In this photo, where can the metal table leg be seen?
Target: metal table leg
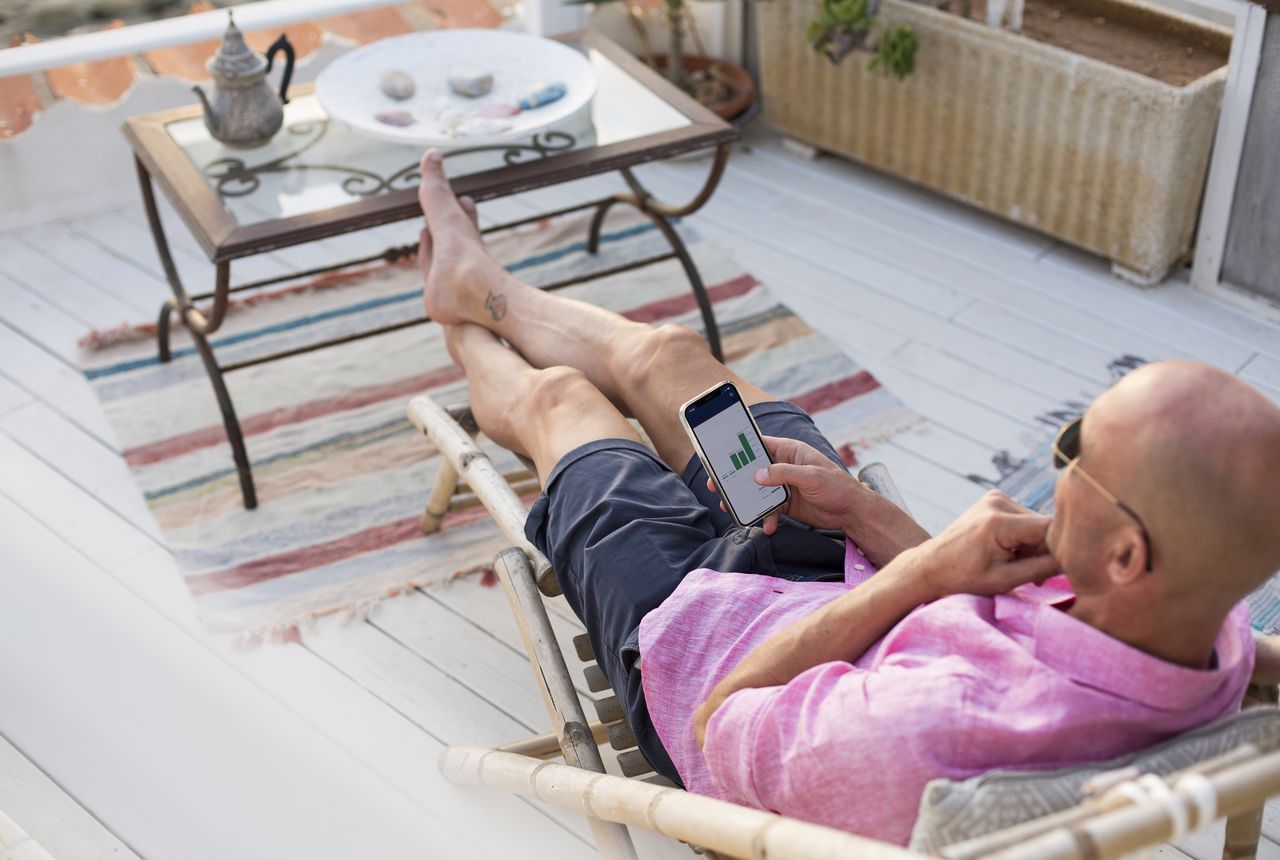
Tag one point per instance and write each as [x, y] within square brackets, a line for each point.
[660, 214]
[200, 325]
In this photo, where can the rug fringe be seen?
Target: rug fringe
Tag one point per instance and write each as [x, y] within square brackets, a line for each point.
[290, 630]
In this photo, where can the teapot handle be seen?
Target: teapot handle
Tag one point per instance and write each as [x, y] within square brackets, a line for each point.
[282, 44]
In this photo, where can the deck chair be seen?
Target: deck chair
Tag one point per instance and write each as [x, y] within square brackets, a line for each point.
[1227, 770]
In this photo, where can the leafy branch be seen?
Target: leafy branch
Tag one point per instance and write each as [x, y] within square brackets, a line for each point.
[843, 26]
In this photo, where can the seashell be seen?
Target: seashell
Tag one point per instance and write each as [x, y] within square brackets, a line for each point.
[470, 82]
[542, 94]
[395, 117]
[397, 84]
[481, 125]
[497, 110]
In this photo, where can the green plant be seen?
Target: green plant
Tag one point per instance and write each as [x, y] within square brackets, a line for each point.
[843, 26]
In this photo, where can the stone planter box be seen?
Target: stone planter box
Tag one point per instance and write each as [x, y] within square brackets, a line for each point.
[1092, 154]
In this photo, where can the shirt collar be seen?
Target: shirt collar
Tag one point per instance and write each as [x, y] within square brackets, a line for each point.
[1091, 657]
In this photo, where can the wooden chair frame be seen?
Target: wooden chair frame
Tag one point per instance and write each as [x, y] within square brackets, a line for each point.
[1109, 826]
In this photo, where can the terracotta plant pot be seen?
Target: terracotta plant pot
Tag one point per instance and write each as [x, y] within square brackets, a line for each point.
[742, 90]
[1093, 154]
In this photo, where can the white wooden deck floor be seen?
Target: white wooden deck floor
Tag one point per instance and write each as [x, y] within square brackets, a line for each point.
[162, 741]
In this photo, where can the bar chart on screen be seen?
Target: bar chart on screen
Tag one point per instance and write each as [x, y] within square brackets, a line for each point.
[741, 458]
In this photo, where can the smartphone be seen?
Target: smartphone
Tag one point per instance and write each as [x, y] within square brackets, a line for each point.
[728, 441]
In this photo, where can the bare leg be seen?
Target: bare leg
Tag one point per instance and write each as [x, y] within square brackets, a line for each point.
[545, 413]
[646, 371]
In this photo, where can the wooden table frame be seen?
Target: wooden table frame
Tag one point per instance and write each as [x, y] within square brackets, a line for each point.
[159, 159]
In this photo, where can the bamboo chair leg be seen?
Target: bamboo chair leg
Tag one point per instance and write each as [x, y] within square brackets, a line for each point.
[1243, 834]
[577, 742]
[441, 494]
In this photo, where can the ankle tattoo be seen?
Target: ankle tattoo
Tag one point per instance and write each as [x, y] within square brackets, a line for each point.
[496, 305]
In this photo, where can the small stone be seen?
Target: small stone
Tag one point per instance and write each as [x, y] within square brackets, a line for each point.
[397, 85]
[497, 110]
[395, 117]
[543, 94]
[470, 82]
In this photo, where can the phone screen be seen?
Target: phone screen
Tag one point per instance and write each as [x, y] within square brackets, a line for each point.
[733, 452]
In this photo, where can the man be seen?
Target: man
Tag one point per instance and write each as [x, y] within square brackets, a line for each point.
[783, 686]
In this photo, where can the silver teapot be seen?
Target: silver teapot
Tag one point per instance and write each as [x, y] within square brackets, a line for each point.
[244, 111]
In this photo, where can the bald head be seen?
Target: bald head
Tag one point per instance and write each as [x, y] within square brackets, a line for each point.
[1196, 452]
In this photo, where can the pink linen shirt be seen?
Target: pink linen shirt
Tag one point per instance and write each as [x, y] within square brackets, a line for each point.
[957, 687]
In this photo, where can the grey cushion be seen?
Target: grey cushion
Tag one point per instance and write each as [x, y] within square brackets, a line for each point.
[952, 812]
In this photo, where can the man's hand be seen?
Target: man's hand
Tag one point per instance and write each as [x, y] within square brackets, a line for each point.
[992, 548]
[822, 494]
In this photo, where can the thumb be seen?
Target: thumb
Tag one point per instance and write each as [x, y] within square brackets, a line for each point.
[777, 474]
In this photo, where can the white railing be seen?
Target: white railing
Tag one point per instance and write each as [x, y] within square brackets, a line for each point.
[182, 29]
[543, 17]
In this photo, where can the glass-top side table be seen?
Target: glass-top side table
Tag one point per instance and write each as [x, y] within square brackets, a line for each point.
[317, 179]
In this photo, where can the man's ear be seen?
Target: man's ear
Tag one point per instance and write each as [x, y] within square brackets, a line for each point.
[1127, 557]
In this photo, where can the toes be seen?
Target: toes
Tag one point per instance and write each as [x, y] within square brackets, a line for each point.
[434, 194]
[469, 206]
[424, 249]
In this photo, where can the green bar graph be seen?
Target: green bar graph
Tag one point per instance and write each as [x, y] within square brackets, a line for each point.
[742, 458]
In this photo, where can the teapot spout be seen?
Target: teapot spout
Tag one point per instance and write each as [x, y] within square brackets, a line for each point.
[210, 119]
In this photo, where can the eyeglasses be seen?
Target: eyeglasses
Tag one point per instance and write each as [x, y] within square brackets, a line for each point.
[1066, 452]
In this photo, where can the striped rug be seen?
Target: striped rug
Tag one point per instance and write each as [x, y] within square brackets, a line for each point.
[342, 476]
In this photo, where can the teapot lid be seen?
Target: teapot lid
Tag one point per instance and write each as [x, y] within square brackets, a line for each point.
[235, 59]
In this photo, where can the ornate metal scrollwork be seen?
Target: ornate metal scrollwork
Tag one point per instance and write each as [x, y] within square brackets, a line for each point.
[232, 177]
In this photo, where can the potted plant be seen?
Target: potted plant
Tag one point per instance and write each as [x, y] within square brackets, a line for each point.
[724, 87]
[1092, 124]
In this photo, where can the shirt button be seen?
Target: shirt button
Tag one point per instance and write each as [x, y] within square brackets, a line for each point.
[859, 567]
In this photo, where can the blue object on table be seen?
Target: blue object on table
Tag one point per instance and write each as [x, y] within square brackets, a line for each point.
[543, 94]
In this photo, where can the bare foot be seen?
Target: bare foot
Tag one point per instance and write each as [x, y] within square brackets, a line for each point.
[460, 278]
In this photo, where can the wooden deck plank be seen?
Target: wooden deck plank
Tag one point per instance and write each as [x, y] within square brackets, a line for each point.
[117, 275]
[54, 330]
[356, 719]
[81, 459]
[77, 518]
[49, 815]
[1007, 275]
[11, 396]
[38, 373]
[72, 294]
[166, 742]
[457, 648]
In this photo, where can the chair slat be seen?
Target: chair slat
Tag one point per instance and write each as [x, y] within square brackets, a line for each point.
[609, 710]
[621, 737]
[582, 644]
[633, 763]
[596, 681]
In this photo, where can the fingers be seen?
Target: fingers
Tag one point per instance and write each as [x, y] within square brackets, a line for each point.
[439, 205]
[1023, 570]
[770, 524]
[1015, 531]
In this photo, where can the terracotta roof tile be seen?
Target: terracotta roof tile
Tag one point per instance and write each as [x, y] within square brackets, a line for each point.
[462, 13]
[103, 82]
[188, 61]
[368, 26]
[19, 105]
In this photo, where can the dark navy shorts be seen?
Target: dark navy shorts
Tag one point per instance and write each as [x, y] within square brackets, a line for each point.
[622, 529]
